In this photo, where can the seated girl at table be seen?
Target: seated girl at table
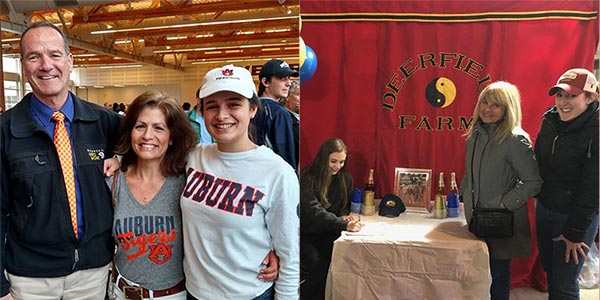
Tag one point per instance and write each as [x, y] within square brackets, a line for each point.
[325, 191]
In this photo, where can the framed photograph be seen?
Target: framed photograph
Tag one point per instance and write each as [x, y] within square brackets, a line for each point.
[413, 186]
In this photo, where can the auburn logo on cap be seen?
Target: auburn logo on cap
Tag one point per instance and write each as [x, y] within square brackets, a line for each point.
[227, 72]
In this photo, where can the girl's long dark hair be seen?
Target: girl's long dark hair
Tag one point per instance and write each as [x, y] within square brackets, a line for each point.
[316, 174]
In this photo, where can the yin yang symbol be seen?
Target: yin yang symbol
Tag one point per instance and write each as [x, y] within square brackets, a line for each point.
[440, 92]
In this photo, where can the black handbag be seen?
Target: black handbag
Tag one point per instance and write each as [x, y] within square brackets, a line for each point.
[491, 222]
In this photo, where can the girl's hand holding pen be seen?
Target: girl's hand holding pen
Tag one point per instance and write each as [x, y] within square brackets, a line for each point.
[355, 225]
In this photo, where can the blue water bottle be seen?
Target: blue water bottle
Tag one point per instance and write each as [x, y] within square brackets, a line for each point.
[356, 203]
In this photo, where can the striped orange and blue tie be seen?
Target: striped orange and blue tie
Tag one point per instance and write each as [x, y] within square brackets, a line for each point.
[63, 147]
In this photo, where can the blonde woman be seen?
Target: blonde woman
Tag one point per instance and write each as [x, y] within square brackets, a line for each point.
[501, 172]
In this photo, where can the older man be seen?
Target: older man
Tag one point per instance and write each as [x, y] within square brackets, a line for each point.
[56, 208]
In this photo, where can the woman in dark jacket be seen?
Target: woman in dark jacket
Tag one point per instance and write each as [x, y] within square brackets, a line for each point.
[567, 209]
[501, 172]
[325, 190]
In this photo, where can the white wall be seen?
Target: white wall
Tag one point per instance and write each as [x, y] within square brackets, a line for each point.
[180, 84]
[127, 94]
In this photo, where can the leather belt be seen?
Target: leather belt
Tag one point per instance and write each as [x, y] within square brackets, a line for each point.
[139, 293]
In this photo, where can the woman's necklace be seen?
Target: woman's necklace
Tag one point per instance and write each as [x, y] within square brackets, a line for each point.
[145, 200]
[146, 190]
[149, 191]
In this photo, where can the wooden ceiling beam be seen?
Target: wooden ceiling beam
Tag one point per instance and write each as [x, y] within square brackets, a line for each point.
[148, 13]
[220, 39]
[225, 37]
[258, 53]
[75, 42]
[260, 25]
[103, 61]
[11, 51]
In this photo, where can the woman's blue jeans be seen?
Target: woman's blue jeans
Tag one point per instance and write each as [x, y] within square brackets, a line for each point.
[267, 295]
[561, 276]
[500, 269]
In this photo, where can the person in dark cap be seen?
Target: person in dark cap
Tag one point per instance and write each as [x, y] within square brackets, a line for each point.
[273, 124]
[566, 150]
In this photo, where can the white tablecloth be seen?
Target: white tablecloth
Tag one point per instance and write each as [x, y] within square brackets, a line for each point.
[413, 257]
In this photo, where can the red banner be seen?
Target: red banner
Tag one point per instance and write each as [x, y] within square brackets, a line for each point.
[398, 80]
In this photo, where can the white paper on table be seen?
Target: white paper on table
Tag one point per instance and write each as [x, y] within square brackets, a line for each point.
[374, 229]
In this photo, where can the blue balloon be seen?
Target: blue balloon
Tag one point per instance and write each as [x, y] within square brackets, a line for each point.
[310, 65]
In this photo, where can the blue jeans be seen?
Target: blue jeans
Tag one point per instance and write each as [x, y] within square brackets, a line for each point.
[267, 295]
[500, 269]
[562, 277]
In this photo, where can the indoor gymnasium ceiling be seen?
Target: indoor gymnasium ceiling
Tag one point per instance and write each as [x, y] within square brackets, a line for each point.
[169, 33]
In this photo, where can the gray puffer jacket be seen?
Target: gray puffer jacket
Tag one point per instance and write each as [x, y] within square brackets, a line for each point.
[504, 173]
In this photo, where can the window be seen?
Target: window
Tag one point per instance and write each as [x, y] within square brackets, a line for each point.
[11, 65]
[11, 68]
[11, 93]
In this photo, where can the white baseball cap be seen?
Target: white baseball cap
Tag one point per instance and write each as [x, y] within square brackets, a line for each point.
[228, 78]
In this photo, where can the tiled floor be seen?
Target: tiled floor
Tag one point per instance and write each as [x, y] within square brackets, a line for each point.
[533, 294]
